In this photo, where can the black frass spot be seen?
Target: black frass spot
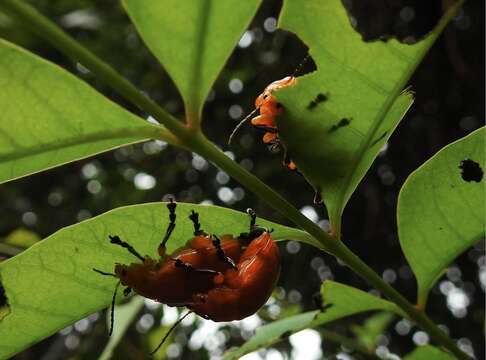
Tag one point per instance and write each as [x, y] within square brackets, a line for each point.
[342, 123]
[320, 98]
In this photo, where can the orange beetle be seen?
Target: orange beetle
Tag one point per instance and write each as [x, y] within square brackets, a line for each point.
[269, 108]
[219, 278]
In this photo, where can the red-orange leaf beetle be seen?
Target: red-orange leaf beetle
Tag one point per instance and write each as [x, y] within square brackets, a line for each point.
[269, 108]
[219, 278]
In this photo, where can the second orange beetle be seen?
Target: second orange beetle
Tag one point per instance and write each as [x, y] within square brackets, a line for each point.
[269, 108]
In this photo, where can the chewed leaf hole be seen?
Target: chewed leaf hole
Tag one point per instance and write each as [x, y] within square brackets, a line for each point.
[471, 171]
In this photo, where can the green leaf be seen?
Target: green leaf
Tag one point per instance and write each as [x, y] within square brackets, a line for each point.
[271, 333]
[124, 316]
[368, 333]
[428, 352]
[17, 241]
[192, 40]
[21, 238]
[49, 117]
[335, 142]
[52, 284]
[343, 300]
[439, 213]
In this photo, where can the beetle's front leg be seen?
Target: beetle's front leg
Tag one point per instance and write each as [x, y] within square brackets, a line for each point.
[220, 252]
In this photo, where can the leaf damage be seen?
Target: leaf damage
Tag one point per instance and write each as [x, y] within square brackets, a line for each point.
[471, 171]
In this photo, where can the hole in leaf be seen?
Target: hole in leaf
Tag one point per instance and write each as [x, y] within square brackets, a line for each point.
[471, 171]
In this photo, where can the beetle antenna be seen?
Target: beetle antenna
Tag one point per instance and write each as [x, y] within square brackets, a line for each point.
[168, 332]
[117, 241]
[240, 124]
[302, 63]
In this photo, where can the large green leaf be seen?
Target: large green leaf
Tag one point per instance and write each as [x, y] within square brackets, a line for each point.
[192, 40]
[441, 209]
[49, 117]
[335, 142]
[342, 300]
[428, 352]
[52, 284]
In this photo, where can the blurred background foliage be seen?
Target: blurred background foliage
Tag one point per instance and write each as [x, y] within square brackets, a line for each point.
[449, 104]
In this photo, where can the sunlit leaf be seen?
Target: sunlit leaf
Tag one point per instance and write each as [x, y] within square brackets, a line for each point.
[49, 117]
[368, 333]
[21, 238]
[271, 333]
[441, 209]
[338, 301]
[52, 284]
[335, 141]
[428, 352]
[192, 40]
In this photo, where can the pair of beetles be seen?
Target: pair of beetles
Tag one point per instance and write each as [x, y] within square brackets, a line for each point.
[219, 278]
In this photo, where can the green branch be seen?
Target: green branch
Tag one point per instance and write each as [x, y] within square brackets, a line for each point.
[198, 143]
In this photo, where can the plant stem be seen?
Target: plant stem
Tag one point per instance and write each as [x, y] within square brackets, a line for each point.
[196, 141]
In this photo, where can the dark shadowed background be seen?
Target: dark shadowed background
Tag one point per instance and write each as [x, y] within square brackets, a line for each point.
[449, 86]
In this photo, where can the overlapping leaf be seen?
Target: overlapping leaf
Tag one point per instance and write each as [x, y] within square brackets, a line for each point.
[49, 117]
[441, 209]
[335, 141]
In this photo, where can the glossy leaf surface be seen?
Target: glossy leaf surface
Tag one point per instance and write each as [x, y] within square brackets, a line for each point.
[441, 209]
[49, 117]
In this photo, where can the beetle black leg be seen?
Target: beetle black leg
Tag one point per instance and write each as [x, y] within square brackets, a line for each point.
[194, 217]
[127, 291]
[189, 268]
[220, 252]
[172, 222]
[117, 241]
[112, 310]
